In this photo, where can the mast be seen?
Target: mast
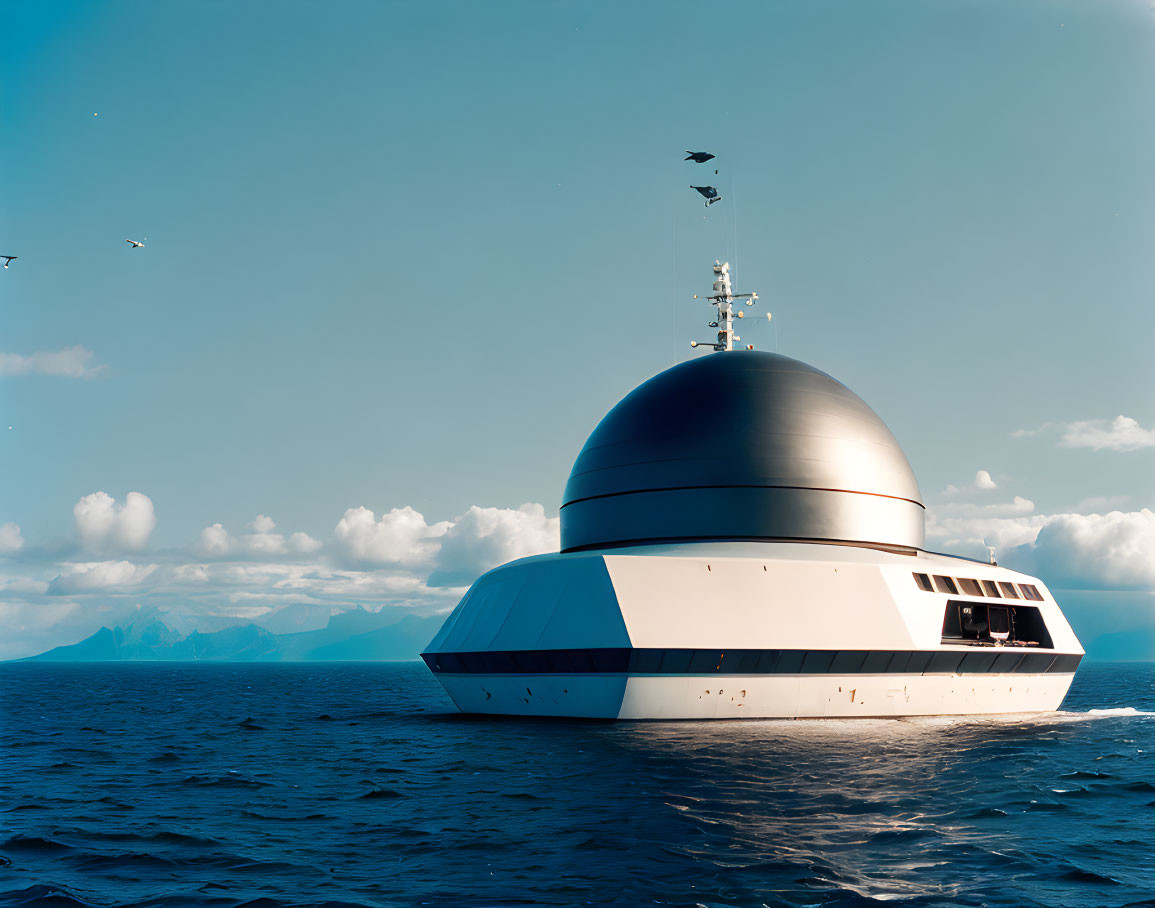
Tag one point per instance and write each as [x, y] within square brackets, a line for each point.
[723, 297]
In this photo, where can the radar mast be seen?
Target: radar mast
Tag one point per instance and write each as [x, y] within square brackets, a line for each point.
[723, 297]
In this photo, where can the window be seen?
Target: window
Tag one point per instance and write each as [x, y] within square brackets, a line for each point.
[980, 624]
[923, 582]
[1030, 591]
[945, 584]
[1008, 590]
[970, 587]
[992, 590]
[999, 622]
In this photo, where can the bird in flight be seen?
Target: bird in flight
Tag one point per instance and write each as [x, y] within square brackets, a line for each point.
[9, 258]
[709, 193]
[135, 244]
[698, 157]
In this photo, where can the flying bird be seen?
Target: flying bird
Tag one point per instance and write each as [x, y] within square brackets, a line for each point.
[698, 157]
[135, 244]
[709, 193]
[8, 257]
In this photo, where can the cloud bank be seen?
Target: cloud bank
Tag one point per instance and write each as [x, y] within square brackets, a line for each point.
[398, 559]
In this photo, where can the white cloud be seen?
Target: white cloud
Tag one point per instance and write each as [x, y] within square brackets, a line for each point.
[966, 528]
[72, 362]
[981, 483]
[1115, 550]
[279, 583]
[262, 543]
[215, 541]
[970, 536]
[21, 585]
[10, 539]
[99, 576]
[1120, 434]
[102, 524]
[401, 537]
[303, 544]
[262, 524]
[1100, 551]
[1039, 430]
[483, 538]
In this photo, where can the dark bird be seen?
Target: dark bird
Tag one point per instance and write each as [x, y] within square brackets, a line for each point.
[698, 157]
[8, 257]
[135, 244]
[709, 193]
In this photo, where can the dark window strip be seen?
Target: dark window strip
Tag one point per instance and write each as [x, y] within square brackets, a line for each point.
[622, 660]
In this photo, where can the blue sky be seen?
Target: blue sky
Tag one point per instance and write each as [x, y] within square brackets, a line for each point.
[407, 255]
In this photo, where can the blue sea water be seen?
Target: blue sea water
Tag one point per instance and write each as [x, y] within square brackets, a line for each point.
[356, 784]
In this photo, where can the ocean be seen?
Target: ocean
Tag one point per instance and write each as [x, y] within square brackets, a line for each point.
[347, 784]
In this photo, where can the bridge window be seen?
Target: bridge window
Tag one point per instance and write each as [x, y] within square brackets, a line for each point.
[982, 624]
[945, 584]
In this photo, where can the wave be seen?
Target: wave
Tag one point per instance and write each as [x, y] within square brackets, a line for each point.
[1120, 711]
[232, 780]
[33, 843]
[382, 794]
[45, 895]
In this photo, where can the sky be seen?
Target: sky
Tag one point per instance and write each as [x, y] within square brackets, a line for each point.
[401, 258]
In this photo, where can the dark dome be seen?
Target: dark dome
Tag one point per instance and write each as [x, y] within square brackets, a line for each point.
[741, 445]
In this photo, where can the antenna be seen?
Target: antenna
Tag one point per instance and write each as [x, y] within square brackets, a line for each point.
[723, 297]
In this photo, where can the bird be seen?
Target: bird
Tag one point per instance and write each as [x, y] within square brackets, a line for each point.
[709, 193]
[135, 244]
[698, 157]
[9, 258]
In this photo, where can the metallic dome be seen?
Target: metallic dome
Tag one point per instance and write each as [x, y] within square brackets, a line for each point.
[742, 445]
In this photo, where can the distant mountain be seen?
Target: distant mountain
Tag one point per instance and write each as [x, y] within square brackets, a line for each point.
[294, 618]
[357, 635]
[394, 643]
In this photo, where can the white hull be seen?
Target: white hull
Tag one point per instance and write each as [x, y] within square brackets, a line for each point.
[751, 630]
[756, 697]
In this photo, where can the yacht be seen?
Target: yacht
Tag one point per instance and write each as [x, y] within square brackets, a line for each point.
[743, 537]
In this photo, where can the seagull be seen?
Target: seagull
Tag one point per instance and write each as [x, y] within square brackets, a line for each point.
[709, 193]
[8, 257]
[135, 244]
[698, 157]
